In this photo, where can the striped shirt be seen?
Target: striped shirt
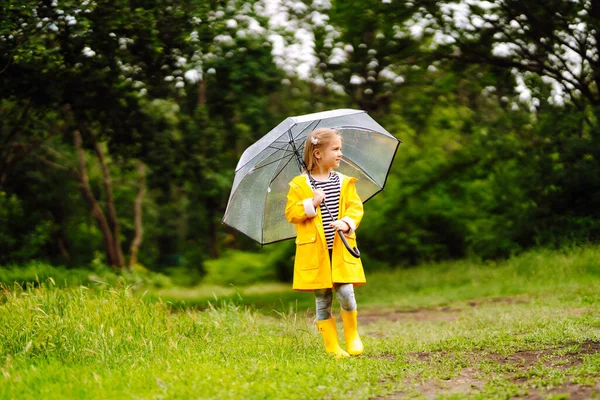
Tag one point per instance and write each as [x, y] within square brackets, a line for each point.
[332, 190]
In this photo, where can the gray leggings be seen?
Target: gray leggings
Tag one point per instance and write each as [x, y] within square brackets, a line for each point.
[324, 300]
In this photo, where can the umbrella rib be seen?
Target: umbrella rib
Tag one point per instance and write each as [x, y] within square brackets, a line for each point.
[301, 146]
[294, 149]
[272, 162]
[271, 181]
[256, 155]
[292, 139]
[392, 160]
[281, 170]
[356, 127]
[388, 135]
[280, 148]
[362, 170]
[289, 133]
[284, 142]
[307, 126]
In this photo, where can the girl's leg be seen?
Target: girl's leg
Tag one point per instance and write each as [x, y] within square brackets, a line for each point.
[345, 295]
[326, 323]
[323, 300]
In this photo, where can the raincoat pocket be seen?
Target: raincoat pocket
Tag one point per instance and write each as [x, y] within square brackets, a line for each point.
[349, 258]
[307, 254]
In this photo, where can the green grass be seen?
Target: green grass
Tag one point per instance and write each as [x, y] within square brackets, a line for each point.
[527, 326]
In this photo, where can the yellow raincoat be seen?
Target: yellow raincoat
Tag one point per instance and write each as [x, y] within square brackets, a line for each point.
[312, 268]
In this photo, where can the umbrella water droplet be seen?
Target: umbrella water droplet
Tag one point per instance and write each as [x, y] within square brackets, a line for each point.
[269, 189]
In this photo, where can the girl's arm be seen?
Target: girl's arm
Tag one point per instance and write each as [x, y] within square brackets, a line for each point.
[297, 208]
[354, 209]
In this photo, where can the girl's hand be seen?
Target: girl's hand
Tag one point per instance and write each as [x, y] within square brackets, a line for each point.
[340, 225]
[318, 197]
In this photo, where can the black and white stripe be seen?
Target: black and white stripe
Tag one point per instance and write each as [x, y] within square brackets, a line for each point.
[332, 189]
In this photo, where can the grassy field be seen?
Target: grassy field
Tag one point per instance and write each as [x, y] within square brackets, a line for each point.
[525, 328]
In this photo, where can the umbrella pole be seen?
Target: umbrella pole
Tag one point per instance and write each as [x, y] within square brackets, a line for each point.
[353, 251]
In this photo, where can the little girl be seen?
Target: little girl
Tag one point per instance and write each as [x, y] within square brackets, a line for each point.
[322, 261]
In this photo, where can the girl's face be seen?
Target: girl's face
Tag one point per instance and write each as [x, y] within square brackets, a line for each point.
[330, 156]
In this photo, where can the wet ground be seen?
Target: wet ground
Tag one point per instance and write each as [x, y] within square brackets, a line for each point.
[516, 368]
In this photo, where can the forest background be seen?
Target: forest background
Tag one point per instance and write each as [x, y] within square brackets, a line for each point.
[121, 123]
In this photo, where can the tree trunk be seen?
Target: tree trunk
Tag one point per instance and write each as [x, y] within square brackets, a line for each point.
[108, 240]
[63, 248]
[139, 228]
[202, 92]
[110, 206]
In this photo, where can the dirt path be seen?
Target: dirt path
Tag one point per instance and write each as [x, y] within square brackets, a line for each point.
[517, 366]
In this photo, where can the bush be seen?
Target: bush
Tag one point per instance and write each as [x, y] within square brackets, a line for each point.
[23, 234]
[184, 276]
[35, 272]
[243, 268]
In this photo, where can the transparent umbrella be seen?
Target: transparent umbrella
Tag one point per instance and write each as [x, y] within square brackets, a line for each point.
[256, 205]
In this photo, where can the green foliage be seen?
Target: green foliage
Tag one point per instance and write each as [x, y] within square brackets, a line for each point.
[452, 190]
[239, 268]
[22, 236]
[33, 273]
[98, 274]
[185, 87]
[537, 42]
[184, 276]
[236, 267]
[563, 179]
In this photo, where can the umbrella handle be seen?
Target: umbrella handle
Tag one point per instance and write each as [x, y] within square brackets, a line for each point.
[354, 251]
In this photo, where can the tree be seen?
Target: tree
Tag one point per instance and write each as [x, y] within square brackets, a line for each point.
[551, 51]
[109, 85]
[363, 50]
[91, 64]
[232, 81]
[555, 41]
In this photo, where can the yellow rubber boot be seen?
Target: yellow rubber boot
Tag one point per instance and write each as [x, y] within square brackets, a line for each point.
[353, 342]
[329, 332]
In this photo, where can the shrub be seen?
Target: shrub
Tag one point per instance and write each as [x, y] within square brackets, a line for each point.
[243, 268]
[23, 234]
[35, 272]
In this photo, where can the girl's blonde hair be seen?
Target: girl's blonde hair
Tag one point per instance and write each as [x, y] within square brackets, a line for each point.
[317, 139]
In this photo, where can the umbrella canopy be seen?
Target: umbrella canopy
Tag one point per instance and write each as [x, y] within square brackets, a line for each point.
[258, 197]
